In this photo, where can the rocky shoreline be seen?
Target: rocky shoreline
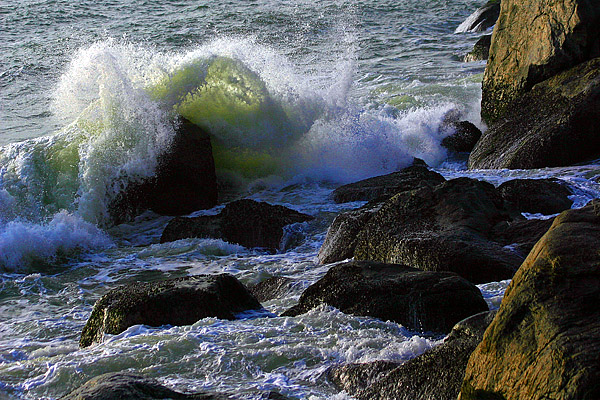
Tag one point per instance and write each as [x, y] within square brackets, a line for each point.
[421, 242]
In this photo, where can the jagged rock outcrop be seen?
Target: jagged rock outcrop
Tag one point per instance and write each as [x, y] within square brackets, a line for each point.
[246, 222]
[545, 339]
[436, 374]
[180, 301]
[185, 179]
[553, 124]
[533, 41]
[419, 300]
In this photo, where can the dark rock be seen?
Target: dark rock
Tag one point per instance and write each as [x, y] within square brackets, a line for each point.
[435, 374]
[545, 196]
[483, 18]
[445, 228]
[545, 339]
[128, 386]
[342, 235]
[533, 41]
[481, 49]
[271, 288]
[185, 179]
[419, 300]
[383, 187]
[181, 301]
[521, 235]
[463, 138]
[552, 125]
[246, 222]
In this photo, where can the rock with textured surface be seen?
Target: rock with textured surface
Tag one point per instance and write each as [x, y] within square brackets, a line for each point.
[436, 374]
[246, 222]
[419, 300]
[545, 339]
[552, 125]
[445, 228]
[481, 50]
[129, 386]
[544, 196]
[533, 41]
[181, 301]
[185, 179]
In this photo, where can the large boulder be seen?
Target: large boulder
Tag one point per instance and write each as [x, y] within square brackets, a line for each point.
[246, 222]
[436, 374]
[383, 187]
[545, 340]
[419, 300]
[482, 19]
[129, 386]
[552, 125]
[445, 228]
[185, 179]
[543, 196]
[533, 41]
[180, 301]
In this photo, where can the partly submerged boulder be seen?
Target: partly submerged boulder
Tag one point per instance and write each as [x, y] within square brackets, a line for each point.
[246, 222]
[419, 300]
[185, 179]
[436, 374]
[481, 50]
[552, 125]
[463, 137]
[129, 386]
[444, 228]
[272, 288]
[533, 41]
[383, 187]
[543, 196]
[180, 301]
[482, 19]
[545, 340]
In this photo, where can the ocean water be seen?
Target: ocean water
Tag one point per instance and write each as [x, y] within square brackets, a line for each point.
[300, 97]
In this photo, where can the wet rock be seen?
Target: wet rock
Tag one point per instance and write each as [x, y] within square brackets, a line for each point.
[545, 339]
[185, 179]
[481, 49]
[245, 222]
[544, 196]
[444, 228]
[419, 300]
[520, 235]
[128, 386]
[533, 41]
[554, 124]
[435, 374]
[272, 288]
[383, 187]
[463, 138]
[181, 301]
[482, 19]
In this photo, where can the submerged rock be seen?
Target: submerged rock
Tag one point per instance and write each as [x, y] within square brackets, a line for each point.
[554, 124]
[272, 288]
[545, 340]
[482, 19]
[444, 228]
[246, 222]
[419, 300]
[435, 374]
[533, 41]
[185, 179]
[128, 386]
[544, 196]
[481, 49]
[383, 187]
[181, 301]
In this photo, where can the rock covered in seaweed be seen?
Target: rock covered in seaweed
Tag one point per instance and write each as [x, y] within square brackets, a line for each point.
[553, 124]
[246, 222]
[436, 374]
[545, 339]
[180, 301]
[129, 386]
[419, 300]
